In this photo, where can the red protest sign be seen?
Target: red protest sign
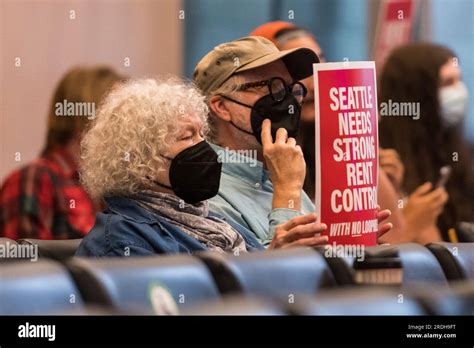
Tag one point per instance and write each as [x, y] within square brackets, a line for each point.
[394, 27]
[347, 151]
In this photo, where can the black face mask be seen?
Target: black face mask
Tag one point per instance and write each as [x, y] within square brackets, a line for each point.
[283, 114]
[195, 173]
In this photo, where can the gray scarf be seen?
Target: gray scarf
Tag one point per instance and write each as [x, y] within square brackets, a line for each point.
[194, 220]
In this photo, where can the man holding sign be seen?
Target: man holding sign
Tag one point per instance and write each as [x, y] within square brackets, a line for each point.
[248, 113]
[347, 151]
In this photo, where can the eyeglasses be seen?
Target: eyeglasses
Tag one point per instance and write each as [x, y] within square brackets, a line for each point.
[278, 88]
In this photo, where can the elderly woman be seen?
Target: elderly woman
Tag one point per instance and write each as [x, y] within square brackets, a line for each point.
[146, 156]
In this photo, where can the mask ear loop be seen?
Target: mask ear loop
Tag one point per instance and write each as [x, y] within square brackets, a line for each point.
[240, 103]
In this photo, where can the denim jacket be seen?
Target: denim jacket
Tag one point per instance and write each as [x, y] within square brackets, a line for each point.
[127, 229]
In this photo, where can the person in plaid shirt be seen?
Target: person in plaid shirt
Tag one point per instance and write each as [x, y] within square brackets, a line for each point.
[44, 198]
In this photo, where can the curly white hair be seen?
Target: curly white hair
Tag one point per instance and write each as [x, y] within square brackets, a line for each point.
[134, 124]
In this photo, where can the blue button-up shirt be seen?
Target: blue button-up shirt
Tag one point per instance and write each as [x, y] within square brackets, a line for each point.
[246, 193]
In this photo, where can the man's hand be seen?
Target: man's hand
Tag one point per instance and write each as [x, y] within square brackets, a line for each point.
[306, 231]
[300, 231]
[284, 159]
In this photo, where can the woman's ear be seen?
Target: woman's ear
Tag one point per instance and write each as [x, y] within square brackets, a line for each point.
[218, 106]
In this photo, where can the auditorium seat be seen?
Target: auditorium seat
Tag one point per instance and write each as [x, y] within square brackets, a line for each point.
[54, 249]
[419, 264]
[457, 298]
[150, 284]
[277, 273]
[341, 267]
[41, 287]
[456, 259]
[465, 232]
[236, 305]
[359, 301]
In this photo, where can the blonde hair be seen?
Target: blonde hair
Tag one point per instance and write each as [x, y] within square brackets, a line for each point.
[80, 84]
[123, 149]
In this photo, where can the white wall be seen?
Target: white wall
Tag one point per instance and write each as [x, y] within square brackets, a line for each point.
[49, 42]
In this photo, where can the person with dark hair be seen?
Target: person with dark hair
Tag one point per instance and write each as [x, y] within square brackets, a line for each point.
[429, 75]
[44, 199]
